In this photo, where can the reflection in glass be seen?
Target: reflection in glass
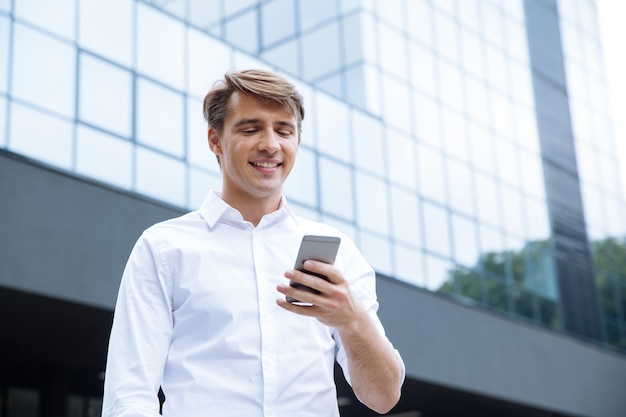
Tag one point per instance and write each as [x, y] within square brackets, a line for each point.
[368, 143]
[320, 51]
[431, 174]
[160, 46]
[54, 16]
[333, 135]
[409, 265]
[54, 88]
[377, 252]
[301, 186]
[160, 118]
[104, 157]
[106, 29]
[160, 177]
[371, 203]
[207, 61]
[5, 27]
[105, 95]
[400, 156]
[436, 229]
[25, 136]
[405, 217]
[336, 188]
[278, 21]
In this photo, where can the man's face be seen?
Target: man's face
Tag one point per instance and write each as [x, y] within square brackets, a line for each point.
[257, 148]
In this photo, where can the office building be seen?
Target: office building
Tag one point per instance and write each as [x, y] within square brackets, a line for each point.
[465, 145]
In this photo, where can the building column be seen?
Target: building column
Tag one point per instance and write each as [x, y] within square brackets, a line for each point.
[573, 262]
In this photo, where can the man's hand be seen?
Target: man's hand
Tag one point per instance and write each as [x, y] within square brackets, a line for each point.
[375, 368]
[334, 306]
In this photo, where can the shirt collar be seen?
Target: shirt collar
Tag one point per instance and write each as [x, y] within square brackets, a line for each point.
[214, 209]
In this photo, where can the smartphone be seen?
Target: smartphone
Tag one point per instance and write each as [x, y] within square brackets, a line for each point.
[317, 248]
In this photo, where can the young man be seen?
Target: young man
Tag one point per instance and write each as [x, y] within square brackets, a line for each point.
[201, 310]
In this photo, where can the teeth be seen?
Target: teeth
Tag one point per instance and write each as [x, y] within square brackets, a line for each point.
[265, 164]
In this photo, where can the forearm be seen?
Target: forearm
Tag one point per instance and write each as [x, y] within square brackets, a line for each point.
[376, 369]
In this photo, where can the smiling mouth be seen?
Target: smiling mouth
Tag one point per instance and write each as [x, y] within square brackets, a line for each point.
[265, 164]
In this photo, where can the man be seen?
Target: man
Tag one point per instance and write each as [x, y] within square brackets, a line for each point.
[201, 310]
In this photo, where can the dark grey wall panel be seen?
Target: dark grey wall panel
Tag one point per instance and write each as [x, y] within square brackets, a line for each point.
[67, 238]
[468, 348]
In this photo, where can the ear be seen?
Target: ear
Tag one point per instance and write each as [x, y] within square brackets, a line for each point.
[214, 141]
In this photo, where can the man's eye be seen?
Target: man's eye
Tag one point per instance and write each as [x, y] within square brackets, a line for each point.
[284, 133]
[249, 130]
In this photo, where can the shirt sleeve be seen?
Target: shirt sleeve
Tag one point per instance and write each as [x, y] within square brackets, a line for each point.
[362, 279]
[140, 335]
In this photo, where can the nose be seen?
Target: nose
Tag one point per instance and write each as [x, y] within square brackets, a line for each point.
[269, 142]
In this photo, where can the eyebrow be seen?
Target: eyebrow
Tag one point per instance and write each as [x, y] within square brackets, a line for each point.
[255, 121]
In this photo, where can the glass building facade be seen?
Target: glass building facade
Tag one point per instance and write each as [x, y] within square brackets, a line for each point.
[420, 141]
[423, 139]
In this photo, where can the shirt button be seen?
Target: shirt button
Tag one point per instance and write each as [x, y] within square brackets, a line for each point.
[268, 411]
[265, 315]
[269, 362]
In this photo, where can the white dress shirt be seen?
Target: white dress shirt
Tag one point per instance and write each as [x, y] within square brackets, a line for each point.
[197, 314]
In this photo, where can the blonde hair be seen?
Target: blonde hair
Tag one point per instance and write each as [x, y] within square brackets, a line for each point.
[262, 84]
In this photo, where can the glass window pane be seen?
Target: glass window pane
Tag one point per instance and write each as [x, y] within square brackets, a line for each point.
[436, 229]
[472, 55]
[25, 136]
[208, 59]
[52, 88]
[400, 156]
[506, 159]
[377, 252]
[483, 157]
[371, 206]
[105, 28]
[405, 217]
[285, 56]
[320, 51]
[242, 31]
[538, 220]
[336, 189]
[104, 157]
[461, 188]
[56, 16]
[278, 21]
[409, 265]
[438, 272]
[454, 127]
[312, 13]
[352, 39]
[465, 240]
[105, 95]
[513, 218]
[447, 36]
[427, 120]
[532, 174]
[5, 5]
[5, 26]
[420, 20]
[451, 85]
[200, 183]
[396, 103]
[302, 182]
[487, 200]
[160, 177]
[198, 151]
[478, 103]
[423, 69]
[368, 143]
[497, 71]
[3, 122]
[431, 174]
[333, 134]
[160, 46]
[393, 55]
[160, 118]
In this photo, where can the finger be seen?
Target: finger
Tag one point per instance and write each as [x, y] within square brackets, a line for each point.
[328, 270]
